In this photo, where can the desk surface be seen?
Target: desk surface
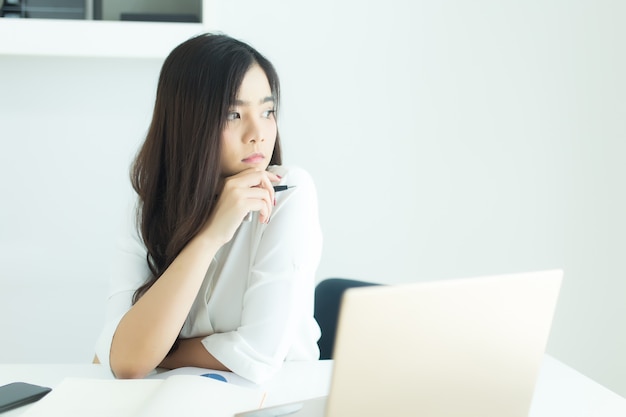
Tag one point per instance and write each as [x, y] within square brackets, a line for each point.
[560, 390]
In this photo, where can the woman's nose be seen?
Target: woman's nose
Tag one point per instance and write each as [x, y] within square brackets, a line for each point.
[253, 132]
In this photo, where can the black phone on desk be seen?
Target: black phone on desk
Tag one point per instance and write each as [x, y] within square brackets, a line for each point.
[17, 394]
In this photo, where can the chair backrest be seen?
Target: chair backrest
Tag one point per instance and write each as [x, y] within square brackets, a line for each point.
[328, 295]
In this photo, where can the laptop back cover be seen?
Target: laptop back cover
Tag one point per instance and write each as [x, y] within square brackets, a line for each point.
[464, 347]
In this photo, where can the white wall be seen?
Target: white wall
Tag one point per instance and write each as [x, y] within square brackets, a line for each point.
[447, 139]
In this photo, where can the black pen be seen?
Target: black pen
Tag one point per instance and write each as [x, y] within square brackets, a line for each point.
[279, 188]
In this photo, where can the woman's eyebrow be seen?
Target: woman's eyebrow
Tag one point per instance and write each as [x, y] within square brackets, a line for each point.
[264, 100]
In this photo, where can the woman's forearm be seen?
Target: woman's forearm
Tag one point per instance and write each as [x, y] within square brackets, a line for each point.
[147, 331]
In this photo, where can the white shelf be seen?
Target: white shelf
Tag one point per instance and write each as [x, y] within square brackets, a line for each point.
[88, 38]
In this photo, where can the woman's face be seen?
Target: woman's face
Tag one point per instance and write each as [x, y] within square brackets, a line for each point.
[250, 133]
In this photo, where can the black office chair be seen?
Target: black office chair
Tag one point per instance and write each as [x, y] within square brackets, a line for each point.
[328, 295]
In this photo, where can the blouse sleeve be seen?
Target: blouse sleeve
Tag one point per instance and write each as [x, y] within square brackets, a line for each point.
[277, 316]
[129, 271]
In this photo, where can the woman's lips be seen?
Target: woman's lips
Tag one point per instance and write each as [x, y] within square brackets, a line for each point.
[255, 158]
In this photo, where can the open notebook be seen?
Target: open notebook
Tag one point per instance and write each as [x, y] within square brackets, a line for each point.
[176, 395]
[465, 347]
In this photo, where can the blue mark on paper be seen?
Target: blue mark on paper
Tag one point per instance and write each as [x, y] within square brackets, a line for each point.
[217, 377]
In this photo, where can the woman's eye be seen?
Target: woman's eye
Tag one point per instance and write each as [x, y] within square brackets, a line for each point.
[233, 115]
[268, 113]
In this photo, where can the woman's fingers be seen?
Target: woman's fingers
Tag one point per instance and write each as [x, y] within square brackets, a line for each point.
[240, 194]
[253, 189]
[269, 198]
[258, 199]
[254, 178]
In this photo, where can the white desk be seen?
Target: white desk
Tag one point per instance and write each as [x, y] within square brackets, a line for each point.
[560, 391]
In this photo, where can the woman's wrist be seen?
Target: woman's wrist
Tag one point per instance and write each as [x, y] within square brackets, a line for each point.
[207, 242]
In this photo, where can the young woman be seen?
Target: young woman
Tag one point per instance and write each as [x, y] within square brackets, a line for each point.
[216, 268]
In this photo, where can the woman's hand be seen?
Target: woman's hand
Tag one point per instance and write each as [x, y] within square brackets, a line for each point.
[249, 190]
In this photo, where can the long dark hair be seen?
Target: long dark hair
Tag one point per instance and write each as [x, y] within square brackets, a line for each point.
[176, 172]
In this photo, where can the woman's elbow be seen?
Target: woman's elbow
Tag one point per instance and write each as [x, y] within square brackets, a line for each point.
[129, 368]
[129, 371]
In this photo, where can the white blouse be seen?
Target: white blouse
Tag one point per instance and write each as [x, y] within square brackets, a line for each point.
[255, 306]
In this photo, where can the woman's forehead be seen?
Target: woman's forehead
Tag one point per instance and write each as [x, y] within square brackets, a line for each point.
[255, 88]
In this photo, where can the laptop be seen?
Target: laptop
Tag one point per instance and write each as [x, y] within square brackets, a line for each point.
[462, 347]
